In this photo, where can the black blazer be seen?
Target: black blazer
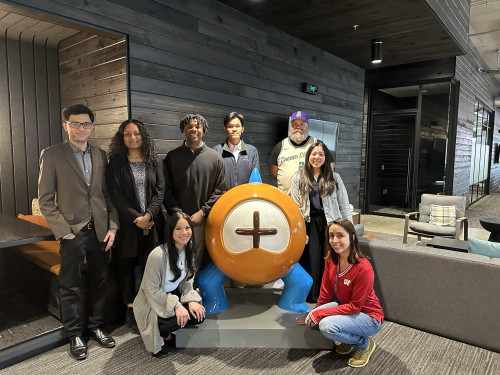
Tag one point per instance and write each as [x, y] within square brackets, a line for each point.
[121, 186]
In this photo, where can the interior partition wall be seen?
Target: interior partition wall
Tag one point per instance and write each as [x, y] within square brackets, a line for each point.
[481, 152]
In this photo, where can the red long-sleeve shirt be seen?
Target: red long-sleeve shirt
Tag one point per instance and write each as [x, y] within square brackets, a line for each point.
[353, 288]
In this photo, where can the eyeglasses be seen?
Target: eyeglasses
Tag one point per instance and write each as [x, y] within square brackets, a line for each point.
[130, 135]
[76, 124]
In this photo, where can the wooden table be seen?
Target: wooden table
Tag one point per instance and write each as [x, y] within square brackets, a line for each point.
[492, 225]
[15, 231]
[449, 244]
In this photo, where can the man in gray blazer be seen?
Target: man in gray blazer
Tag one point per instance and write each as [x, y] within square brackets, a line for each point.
[74, 200]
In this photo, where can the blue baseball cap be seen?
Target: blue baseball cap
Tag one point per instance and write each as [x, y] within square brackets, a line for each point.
[299, 114]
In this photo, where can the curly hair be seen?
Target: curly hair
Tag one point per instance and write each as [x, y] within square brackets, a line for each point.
[354, 250]
[117, 146]
[199, 119]
[173, 254]
[327, 183]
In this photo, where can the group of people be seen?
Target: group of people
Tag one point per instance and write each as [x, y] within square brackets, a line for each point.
[93, 201]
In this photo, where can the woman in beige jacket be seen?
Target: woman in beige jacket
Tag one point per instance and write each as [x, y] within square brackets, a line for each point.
[166, 300]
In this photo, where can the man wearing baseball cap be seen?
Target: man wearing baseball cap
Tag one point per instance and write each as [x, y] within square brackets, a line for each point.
[288, 155]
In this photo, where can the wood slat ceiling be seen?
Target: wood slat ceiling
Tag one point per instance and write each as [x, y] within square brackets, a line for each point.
[409, 30]
[28, 25]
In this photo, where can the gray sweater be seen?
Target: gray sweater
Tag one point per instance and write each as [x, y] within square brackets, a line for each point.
[151, 300]
[193, 180]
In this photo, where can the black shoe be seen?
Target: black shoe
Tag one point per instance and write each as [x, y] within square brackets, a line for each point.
[170, 343]
[102, 338]
[161, 353]
[131, 323]
[78, 347]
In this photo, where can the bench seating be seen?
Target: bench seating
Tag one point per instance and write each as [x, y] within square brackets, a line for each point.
[40, 263]
[444, 292]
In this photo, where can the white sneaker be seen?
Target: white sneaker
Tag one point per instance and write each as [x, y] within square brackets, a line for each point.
[279, 284]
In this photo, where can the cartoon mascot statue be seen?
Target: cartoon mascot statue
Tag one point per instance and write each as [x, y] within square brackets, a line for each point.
[255, 234]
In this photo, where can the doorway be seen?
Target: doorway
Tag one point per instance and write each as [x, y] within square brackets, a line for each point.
[407, 148]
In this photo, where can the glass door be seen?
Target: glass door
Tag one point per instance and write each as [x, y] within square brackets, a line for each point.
[481, 151]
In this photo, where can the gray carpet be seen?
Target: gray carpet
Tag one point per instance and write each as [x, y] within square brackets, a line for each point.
[400, 350]
[488, 206]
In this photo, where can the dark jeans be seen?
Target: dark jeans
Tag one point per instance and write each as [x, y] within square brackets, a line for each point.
[312, 258]
[168, 325]
[73, 252]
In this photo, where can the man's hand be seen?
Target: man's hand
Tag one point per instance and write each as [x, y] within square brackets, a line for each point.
[182, 316]
[144, 222]
[197, 217]
[197, 310]
[110, 238]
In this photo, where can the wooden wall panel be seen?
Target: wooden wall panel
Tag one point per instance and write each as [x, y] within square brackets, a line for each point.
[93, 72]
[29, 111]
[207, 58]
[473, 86]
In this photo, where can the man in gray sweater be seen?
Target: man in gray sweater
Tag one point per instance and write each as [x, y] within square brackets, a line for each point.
[194, 180]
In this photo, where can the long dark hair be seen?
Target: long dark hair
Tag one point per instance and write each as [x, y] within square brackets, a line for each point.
[189, 249]
[354, 250]
[117, 146]
[327, 183]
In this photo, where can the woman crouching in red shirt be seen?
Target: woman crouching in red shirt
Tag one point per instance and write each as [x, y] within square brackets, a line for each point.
[348, 275]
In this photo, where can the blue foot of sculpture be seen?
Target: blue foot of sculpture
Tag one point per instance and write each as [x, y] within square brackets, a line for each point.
[210, 281]
[297, 285]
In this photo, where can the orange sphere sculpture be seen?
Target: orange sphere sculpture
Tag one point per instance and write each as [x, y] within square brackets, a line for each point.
[255, 233]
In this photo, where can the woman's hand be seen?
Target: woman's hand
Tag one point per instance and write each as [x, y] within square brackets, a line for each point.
[309, 322]
[182, 316]
[197, 310]
[144, 222]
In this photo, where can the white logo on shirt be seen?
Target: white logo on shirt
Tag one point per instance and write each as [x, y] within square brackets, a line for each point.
[347, 282]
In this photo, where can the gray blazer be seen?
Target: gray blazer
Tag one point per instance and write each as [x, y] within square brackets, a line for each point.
[152, 302]
[65, 199]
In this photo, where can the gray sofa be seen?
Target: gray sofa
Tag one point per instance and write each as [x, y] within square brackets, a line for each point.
[451, 294]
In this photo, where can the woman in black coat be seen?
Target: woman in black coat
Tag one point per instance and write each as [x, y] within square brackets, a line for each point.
[135, 183]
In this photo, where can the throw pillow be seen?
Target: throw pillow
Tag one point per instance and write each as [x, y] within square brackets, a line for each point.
[40, 220]
[487, 248]
[443, 215]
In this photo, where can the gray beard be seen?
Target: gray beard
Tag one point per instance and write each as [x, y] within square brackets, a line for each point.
[298, 138]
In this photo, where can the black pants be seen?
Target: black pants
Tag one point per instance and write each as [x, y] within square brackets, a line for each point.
[73, 252]
[169, 325]
[312, 258]
[129, 278]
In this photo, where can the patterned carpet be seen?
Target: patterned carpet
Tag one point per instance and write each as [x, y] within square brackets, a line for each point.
[488, 206]
[400, 351]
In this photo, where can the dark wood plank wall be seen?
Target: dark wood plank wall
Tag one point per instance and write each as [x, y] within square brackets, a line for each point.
[473, 86]
[29, 115]
[93, 72]
[454, 14]
[209, 58]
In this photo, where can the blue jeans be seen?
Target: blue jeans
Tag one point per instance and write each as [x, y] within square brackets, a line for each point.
[349, 329]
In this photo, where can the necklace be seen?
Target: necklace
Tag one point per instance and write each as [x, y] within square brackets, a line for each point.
[134, 157]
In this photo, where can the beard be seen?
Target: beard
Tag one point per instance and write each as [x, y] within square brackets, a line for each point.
[298, 137]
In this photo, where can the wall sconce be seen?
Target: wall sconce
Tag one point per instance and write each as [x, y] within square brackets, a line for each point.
[377, 51]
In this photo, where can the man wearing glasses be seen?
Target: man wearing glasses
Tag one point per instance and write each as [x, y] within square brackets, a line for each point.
[288, 155]
[74, 200]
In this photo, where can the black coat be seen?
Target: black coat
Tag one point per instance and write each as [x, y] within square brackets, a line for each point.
[121, 187]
